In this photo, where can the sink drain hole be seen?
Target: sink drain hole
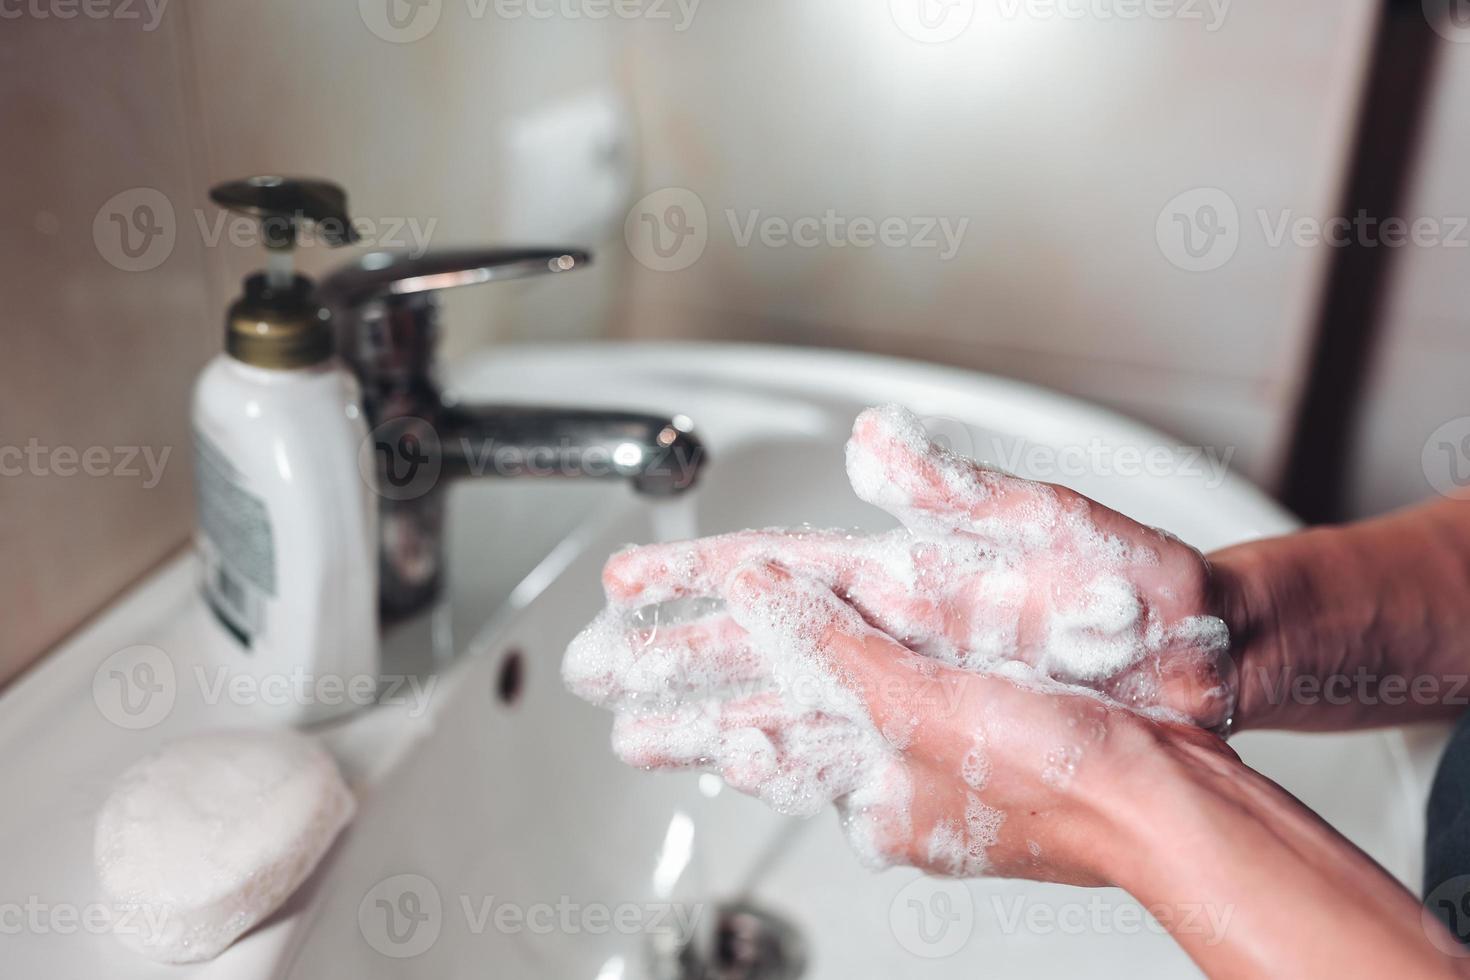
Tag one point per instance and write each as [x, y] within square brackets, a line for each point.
[745, 943]
[512, 677]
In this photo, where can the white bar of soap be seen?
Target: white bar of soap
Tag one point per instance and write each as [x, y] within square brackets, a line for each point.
[208, 836]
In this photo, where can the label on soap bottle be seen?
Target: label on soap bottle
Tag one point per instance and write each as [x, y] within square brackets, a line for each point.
[235, 542]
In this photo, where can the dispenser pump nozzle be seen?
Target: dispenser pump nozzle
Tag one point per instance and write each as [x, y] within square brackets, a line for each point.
[285, 206]
[278, 322]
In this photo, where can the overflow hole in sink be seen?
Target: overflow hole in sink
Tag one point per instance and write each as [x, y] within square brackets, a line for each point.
[512, 676]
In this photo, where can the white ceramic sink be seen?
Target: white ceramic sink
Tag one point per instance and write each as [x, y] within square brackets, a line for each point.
[503, 839]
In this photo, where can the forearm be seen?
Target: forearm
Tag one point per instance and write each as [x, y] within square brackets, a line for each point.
[1355, 626]
[1252, 883]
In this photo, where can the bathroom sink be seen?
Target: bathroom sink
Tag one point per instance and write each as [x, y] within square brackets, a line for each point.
[498, 836]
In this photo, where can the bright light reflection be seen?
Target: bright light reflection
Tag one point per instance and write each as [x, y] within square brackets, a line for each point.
[627, 454]
[674, 858]
[283, 465]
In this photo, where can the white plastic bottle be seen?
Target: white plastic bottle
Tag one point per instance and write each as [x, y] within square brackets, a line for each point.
[286, 534]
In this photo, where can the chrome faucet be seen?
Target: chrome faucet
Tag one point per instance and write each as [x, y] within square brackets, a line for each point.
[387, 319]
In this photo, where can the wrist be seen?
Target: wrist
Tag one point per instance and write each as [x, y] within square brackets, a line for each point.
[1169, 808]
[1149, 770]
[1245, 596]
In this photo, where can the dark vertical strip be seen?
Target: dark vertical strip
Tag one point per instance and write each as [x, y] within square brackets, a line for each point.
[1390, 120]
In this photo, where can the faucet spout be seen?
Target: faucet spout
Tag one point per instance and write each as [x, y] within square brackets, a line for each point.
[387, 313]
[658, 456]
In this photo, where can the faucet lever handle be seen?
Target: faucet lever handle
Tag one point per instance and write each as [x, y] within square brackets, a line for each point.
[385, 309]
[383, 274]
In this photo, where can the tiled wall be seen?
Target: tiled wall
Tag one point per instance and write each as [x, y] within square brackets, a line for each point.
[1060, 142]
[414, 128]
[98, 359]
[1413, 433]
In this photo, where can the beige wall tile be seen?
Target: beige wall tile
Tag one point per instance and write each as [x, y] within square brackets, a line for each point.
[1418, 381]
[98, 357]
[414, 130]
[1059, 140]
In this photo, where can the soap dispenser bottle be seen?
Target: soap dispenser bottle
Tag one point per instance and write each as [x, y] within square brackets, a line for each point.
[286, 532]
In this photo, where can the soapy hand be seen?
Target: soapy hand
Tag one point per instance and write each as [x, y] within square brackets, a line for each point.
[988, 568]
[953, 771]
[949, 685]
[1003, 688]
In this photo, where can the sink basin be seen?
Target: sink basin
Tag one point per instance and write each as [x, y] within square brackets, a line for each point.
[497, 834]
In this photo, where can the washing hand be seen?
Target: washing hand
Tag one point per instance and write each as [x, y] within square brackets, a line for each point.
[988, 568]
[953, 771]
[917, 679]
[1002, 687]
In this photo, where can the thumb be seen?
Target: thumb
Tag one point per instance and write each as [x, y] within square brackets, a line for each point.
[892, 464]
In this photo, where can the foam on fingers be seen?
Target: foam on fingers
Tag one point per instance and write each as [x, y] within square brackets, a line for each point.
[208, 836]
[818, 685]
[795, 760]
[657, 573]
[617, 663]
[892, 464]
